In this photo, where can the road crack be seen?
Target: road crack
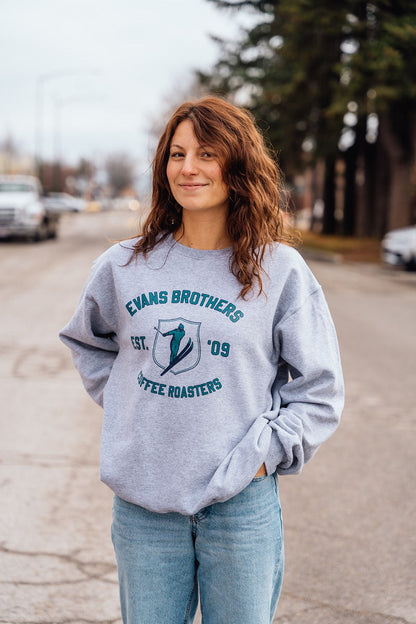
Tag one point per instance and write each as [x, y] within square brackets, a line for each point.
[91, 570]
[34, 362]
[357, 616]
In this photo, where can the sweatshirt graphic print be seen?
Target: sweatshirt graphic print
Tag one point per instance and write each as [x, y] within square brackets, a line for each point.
[200, 387]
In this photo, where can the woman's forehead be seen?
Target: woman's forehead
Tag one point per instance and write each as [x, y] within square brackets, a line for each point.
[186, 132]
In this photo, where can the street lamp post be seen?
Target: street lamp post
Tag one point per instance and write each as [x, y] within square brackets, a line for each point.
[41, 81]
[59, 104]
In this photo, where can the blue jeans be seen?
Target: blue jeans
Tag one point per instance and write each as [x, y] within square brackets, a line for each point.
[232, 552]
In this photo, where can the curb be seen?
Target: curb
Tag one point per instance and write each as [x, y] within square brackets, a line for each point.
[319, 255]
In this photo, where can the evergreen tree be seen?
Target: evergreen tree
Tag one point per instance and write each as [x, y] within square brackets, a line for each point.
[301, 68]
[287, 69]
[383, 83]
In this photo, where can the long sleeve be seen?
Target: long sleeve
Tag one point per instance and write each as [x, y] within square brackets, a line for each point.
[308, 393]
[262, 382]
[91, 334]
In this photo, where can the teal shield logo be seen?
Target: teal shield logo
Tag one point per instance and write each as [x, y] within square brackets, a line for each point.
[177, 345]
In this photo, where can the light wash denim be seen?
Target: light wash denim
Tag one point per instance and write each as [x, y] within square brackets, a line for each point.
[231, 551]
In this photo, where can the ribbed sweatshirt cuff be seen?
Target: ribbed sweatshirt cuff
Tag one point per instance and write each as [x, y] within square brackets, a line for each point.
[276, 453]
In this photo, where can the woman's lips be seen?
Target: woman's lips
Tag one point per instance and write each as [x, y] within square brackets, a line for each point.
[191, 187]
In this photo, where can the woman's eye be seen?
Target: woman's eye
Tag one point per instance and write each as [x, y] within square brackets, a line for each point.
[176, 155]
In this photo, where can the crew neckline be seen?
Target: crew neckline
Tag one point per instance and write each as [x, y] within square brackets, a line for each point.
[192, 252]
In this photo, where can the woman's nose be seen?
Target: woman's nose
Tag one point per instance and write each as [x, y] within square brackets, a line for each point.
[189, 165]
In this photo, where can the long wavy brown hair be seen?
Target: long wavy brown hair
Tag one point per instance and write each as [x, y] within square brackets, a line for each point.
[257, 200]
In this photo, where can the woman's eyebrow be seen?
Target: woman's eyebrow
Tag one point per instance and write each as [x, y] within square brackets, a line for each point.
[204, 146]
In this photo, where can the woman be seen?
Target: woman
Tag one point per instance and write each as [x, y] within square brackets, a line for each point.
[210, 346]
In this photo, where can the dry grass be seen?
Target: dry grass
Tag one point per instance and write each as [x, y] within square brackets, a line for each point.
[349, 248]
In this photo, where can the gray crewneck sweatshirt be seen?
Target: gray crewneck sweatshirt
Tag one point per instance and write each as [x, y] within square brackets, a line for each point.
[199, 386]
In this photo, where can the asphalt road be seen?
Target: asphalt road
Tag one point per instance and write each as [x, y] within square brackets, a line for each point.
[349, 518]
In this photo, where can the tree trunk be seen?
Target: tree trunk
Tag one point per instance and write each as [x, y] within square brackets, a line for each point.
[376, 189]
[350, 159]
[396, 139]
[329, 223]
[399, 210]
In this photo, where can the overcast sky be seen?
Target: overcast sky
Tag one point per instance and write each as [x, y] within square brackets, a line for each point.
[116, 62]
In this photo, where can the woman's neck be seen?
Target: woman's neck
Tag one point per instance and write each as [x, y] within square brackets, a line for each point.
[203, 233]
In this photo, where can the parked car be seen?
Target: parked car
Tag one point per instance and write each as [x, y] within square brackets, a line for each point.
[126, 203]
[399, 248]
[22, 211]
[64, 202]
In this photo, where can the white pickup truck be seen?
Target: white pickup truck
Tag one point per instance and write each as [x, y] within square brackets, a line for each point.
[22, 210]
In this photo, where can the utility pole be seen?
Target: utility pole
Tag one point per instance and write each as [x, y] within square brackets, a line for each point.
[41, 81]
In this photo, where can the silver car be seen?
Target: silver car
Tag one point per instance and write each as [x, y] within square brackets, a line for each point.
[64, 202]
[399, 248]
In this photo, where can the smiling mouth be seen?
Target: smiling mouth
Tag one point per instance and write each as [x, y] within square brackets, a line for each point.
[191, 186]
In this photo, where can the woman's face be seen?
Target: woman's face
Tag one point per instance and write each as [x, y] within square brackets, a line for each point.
[194, 173]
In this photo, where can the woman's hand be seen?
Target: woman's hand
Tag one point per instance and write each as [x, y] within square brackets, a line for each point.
[261, 471]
